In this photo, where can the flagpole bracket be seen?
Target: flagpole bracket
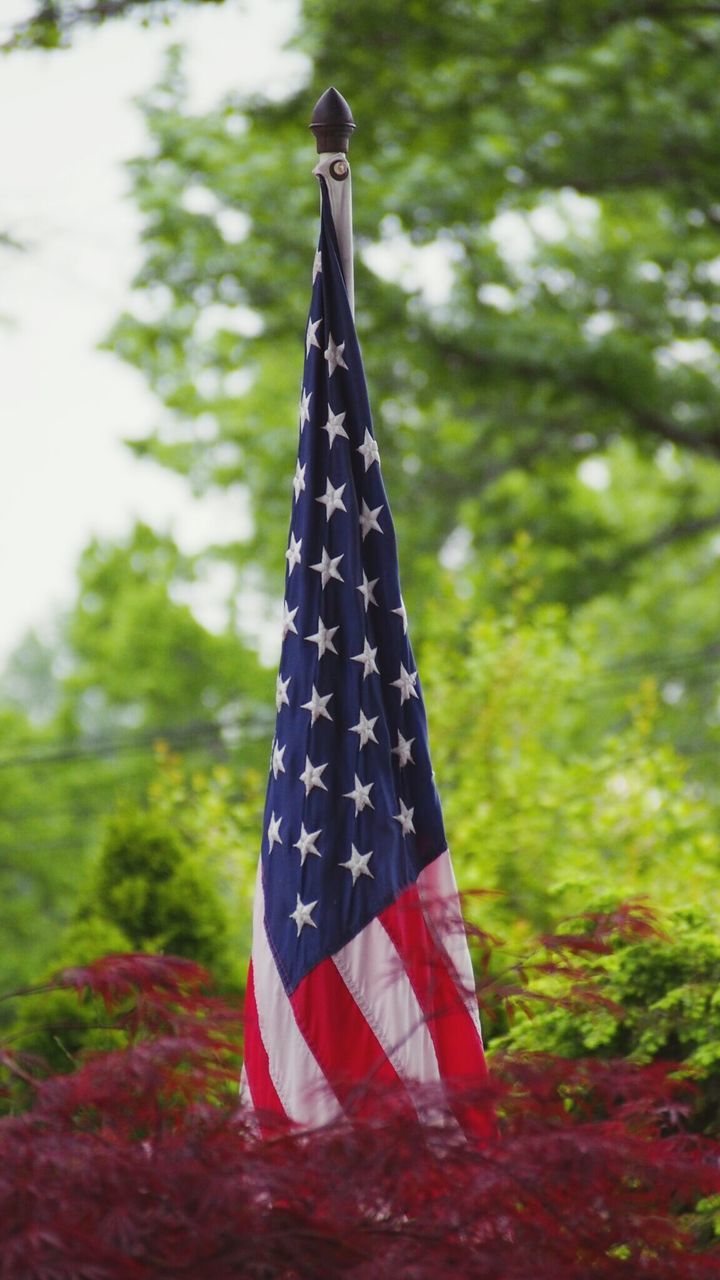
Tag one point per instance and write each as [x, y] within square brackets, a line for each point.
[332, 122]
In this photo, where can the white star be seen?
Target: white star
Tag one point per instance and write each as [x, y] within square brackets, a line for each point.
[334, 426]
[364, 728]
[334, 356]
[327, 567]
[299, 479]
[311, 776]
[332, 501]
[369, 519]
[301, 914]
[357, 864]
[277, 759]
[361, 795]
[287, 623]
[367, 657]
[273, 831]
[323, 638]
[281, 688]
[401, 611]
[366, 590]
[405, 818]
[317, 706]
[406, 684]
[305, 405]
[403, 750]
[310, 339]
[306, 843]
[292, 555]
[369, 449]
[317, 265]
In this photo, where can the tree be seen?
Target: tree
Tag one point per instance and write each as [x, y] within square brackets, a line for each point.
[128, 667]
[558, 167]
[52, 24]
[139, 1163]
[152, 889]
[47, 826]
[545, 806]
[660, 1005]
[141, 659]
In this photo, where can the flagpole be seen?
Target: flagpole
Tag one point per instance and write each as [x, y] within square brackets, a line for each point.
[332, 124]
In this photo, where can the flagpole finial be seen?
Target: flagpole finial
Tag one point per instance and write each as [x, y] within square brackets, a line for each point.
[332, 122]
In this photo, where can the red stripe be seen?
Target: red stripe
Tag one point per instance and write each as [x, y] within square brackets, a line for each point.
[257, 1067]
[347, 1049]
[458, 1046]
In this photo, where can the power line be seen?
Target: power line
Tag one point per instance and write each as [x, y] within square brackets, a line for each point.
[626, 671]
[64, 751]
[619, 762]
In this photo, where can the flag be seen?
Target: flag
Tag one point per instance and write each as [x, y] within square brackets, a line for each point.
[360, 977]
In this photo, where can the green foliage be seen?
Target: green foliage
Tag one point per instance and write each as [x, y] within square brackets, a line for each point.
[558, 162]
[48, 828]
[174, 877]
[660, 1002]
[53, 1025]
[218, 815]
[52, 24]
[140, 657]
[540, 806]
[80, 715]
[538, 238]
[147, 885]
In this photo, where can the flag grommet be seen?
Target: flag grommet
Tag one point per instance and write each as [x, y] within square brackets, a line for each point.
[340, 170]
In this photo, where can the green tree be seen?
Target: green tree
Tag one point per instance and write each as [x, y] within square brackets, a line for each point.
[130, 665]
[51, 24]
[558, 168]
[47, 827]
[141, 659]
[148, 886]
[542, 807]
[174, 877]
[659, 1003]
[537, 247]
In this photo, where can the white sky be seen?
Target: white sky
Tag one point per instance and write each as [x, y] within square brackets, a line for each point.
[66, 125]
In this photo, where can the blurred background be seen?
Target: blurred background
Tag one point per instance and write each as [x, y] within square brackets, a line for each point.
[537, 222]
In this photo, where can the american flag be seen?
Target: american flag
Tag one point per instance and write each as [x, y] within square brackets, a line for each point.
[360, 970]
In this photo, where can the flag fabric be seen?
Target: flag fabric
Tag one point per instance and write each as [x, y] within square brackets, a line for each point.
[360, 976]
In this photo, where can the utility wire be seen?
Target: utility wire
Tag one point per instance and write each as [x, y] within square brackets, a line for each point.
[63, 751]
[619, 762]
[697, 666]
[210, 733]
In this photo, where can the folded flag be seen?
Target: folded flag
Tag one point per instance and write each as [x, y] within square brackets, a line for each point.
[360, 977]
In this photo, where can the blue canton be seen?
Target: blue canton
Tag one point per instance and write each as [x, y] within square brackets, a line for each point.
[352, 813]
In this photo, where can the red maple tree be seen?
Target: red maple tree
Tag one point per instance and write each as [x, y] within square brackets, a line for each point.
[140, 1164]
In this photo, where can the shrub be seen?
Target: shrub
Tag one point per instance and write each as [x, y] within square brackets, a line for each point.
[140, 1163]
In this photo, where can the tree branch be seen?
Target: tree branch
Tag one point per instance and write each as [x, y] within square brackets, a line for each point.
[52, 19]
[648, 420]
[676, 532]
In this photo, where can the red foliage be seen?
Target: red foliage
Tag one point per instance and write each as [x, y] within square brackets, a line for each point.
[140, 1165]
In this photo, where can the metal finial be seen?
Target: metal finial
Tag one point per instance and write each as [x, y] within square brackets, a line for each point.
[332, 122]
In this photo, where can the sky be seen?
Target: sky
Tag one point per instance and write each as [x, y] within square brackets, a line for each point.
[67, 124]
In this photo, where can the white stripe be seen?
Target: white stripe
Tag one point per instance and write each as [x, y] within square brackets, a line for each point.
[373, 972]
[438, 892]
[246, 1103]
[300, 1084]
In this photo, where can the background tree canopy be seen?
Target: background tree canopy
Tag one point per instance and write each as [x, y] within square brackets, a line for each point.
[541, 185]
[537, 219]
